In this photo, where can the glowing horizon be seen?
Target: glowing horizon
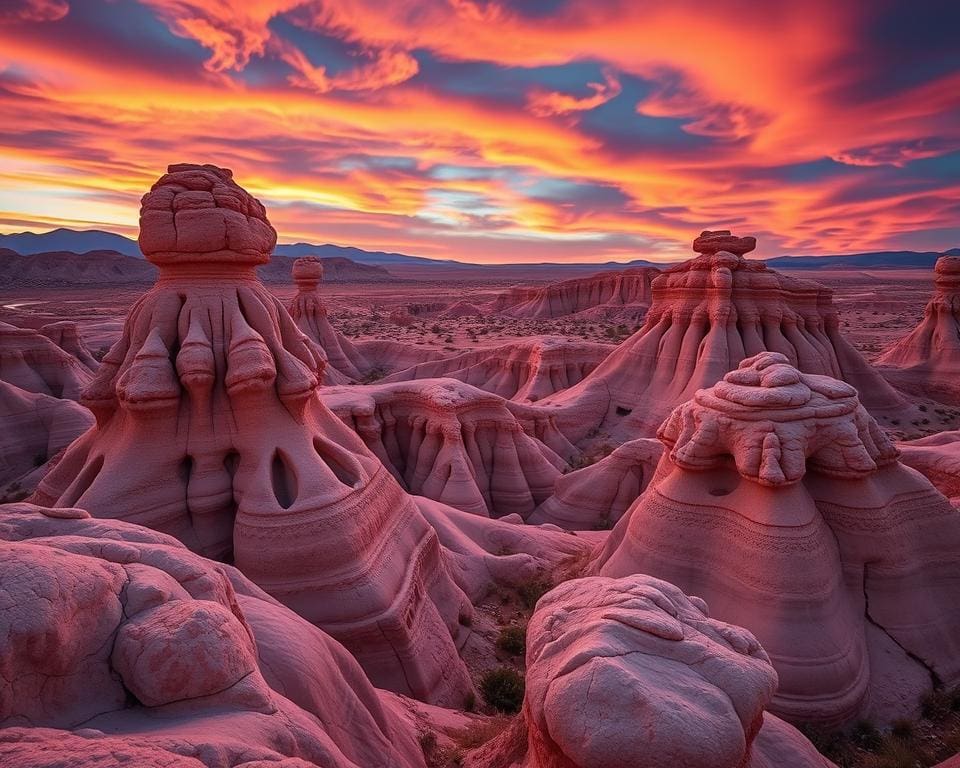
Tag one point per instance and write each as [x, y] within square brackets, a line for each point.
[547, 130]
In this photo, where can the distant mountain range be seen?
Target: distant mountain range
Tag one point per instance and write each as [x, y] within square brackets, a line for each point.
[84, 241]
[103, 267]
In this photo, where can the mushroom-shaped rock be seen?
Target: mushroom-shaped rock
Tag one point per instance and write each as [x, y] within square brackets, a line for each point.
[633, 672]
[707, 315]
[783, 505]
[111, 628]
[927, 360]
[210, 428]
[345, 362]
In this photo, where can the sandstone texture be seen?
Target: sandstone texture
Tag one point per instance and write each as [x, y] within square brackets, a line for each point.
[781, 503]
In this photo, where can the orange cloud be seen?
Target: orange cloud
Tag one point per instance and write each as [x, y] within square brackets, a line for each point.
[544, 103]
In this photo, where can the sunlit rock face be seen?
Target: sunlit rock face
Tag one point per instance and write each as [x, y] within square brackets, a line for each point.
[451, 442]
[209, 428]
[707, 315]
[596, 497]
[633, 672]
[782, 504]
[526, 370]
[623, 294]
[345, 362]
[111, 628]
[927, 360]
[35, 362]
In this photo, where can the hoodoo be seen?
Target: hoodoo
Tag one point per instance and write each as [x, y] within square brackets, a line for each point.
[209, 428]
[927, 360]
[707, 315]
[344, 361]
[782, 504]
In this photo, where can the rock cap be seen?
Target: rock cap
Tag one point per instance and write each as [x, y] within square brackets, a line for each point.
[308, 272]
[197, 214]
[721, 240]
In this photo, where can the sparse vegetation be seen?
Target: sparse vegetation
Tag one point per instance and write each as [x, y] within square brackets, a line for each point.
[502, 688]
[513, 640]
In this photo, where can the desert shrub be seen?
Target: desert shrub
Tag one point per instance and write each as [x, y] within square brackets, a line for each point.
[936, 706]
[502, 688]
[865, 734]
[513, 640]
[902, 728]
[532, 590]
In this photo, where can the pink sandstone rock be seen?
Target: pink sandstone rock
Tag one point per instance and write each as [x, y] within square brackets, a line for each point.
[624, 294]
[32, 361]
[448, 441]
[633, 672]
[596, 497]
[937, 458]
[121, 647]
[209, 428]
[927, 360]
[66, 335]
[525, 370]
[344, 362]
[707, 315]
[35, 428]
[783, 505]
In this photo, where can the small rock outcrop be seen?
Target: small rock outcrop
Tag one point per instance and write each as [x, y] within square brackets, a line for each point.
[452, 443]
[595, 497]
[526, 370]
[782, 504]
[633, 672]
[210, 428]
[623, 295]
[927, 360]
[34, 361]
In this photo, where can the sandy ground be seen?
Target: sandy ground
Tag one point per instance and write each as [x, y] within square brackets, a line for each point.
[876, 309]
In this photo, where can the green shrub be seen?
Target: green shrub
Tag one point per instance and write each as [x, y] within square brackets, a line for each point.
[502, 689]
[513, 640]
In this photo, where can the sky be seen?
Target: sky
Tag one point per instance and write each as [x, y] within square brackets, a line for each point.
[497, 130]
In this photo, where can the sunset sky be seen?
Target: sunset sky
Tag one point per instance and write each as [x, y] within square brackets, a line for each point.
[490, 131]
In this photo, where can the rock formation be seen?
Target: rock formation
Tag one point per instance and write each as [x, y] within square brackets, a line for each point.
[66, 335]
[525, 370]
[595, 497]
[121, 647]
[624, 294]
[344, 362]
[707, 315]
[209, 428]
[937, 458]
[31, 360]
[632, 672]
[783, 505]
[450, 442]
[35, 428]
[927, 360]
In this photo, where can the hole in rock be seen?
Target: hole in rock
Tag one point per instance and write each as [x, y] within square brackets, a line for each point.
[721, 491]
[283, 479]
[230, 462]
[621, 411]
[340, 466]
[185, 469]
